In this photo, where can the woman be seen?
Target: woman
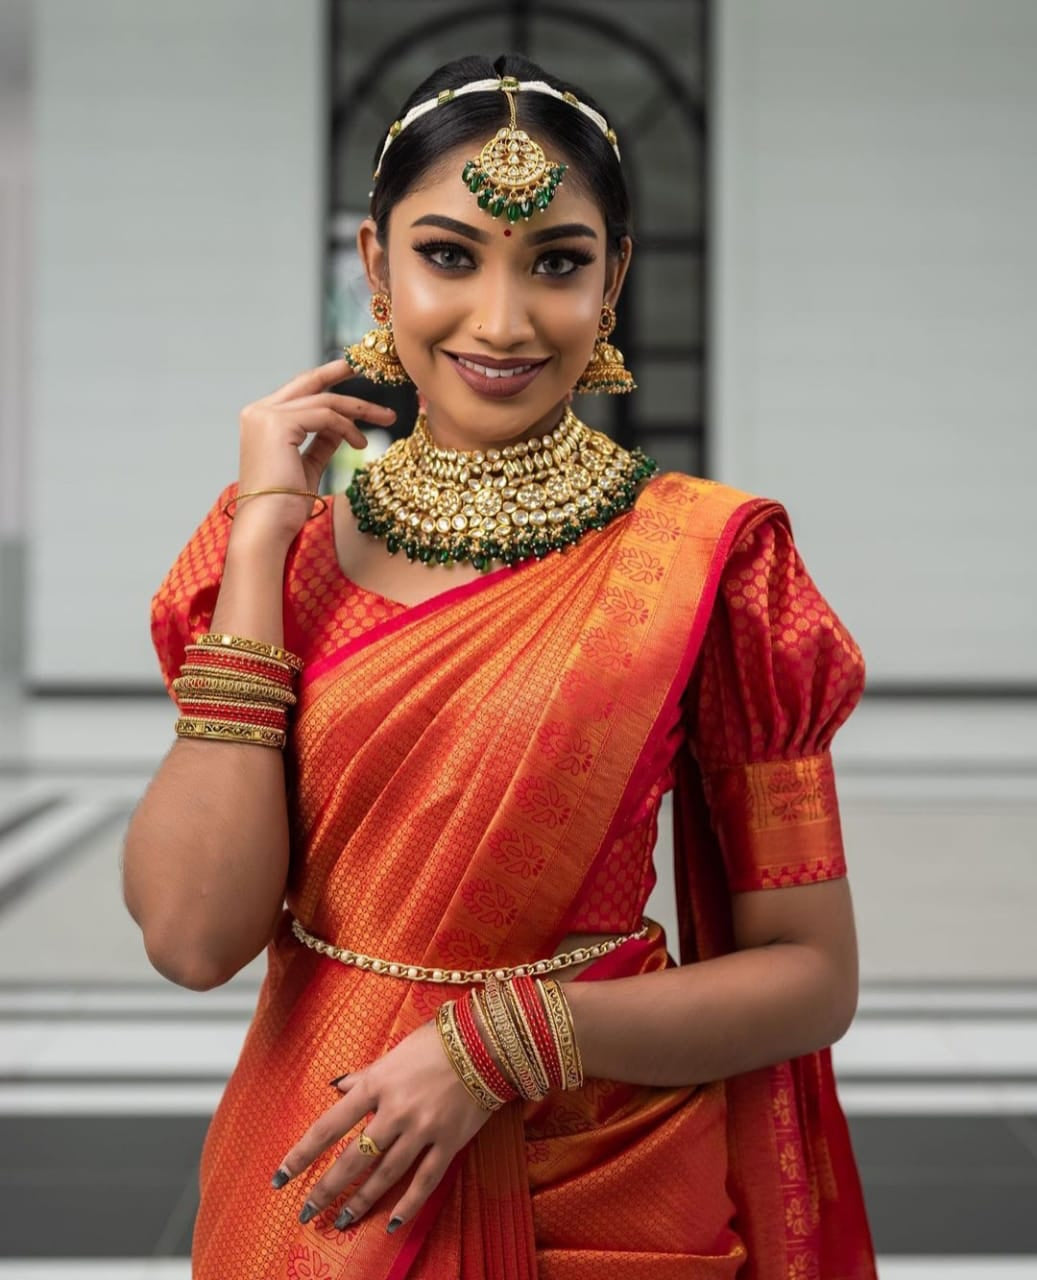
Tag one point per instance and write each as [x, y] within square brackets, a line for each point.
[509, 652]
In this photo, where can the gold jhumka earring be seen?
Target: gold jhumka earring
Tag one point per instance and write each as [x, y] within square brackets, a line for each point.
[605, 371]
[374, 355]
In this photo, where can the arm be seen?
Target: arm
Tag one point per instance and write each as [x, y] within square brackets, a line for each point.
[788, 989]
[205, 857]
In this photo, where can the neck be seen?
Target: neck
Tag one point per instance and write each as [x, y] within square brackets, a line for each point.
[448, 433]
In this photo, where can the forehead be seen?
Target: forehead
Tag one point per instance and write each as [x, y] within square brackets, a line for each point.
[441, 190]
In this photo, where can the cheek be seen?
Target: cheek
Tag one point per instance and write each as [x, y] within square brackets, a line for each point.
[419, 307]
[573, 326]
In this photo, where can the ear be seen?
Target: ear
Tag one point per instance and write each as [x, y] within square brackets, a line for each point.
[373, 256]
[616, 271]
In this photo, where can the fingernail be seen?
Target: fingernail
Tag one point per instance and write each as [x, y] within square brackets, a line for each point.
[309, 1210]
[338, 1078]
[344, 1219]
[280, 1178]
[393, 1224]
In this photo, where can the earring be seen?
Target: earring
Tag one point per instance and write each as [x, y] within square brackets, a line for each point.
[605, 370]
[375, 354]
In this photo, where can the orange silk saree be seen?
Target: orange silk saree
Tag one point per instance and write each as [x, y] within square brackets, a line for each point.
[455, 776]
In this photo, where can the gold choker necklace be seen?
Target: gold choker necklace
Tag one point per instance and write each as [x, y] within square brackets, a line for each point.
[443, 506]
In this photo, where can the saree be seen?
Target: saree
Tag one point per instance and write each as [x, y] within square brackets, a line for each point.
[456, 776]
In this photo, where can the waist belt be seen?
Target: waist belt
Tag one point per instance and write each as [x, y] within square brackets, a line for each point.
[423, 973]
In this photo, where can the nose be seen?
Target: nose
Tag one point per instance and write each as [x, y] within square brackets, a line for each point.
[501, 316]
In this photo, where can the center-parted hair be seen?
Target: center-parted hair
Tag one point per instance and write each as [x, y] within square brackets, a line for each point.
[477, 116]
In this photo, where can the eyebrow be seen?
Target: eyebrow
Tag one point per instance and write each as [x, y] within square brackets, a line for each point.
[481, 237]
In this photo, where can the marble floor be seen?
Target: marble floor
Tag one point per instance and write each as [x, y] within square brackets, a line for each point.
[108, 1073]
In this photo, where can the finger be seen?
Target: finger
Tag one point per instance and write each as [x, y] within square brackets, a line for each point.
[351, 1165]
[385, 1174]
[311, 381]
[325, 1130]
[427, 1177]
[350, 406]
[323, 418]
[321, 449]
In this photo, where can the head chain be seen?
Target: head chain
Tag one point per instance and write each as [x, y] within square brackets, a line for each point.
[509, 83]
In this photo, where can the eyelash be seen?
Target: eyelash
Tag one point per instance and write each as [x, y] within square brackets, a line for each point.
[579, 257]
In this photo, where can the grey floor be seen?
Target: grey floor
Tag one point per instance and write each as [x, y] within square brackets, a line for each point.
[108, 1073]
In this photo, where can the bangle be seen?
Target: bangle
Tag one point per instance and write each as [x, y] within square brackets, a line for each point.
[251, 493]
[526, 1038]
[213, 662]
[217, 640]
[560, 1015]
[505, 1028]
[446, 1025]
[268, 691]
[240, 712]
[477, 1049]
[536, 1017]
[228, 731]
[479, 1001]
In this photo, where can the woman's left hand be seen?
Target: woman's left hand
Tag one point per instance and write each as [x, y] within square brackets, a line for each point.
[419, 1102]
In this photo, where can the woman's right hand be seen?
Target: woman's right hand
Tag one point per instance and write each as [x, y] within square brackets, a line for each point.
[273, 428]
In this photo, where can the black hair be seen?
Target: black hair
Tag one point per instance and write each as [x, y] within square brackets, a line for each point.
[476, 117]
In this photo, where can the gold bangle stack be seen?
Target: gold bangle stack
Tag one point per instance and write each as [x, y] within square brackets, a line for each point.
[236, 689]
[532, 1036]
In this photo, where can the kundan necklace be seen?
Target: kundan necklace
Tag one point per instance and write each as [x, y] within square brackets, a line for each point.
[444, 505]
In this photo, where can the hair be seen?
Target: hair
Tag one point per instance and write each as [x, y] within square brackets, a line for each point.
[476, 116]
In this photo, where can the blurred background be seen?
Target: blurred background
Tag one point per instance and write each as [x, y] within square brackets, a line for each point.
[833, 302]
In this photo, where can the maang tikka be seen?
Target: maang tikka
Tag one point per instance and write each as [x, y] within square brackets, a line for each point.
[512, 175]
[374, 356]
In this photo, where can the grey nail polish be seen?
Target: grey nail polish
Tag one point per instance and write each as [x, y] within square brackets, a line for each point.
[309, 1210]
[280, 1178]
[344, 1219]
[393, 1224]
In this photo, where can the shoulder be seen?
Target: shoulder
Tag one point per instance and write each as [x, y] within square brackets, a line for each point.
[701, 507]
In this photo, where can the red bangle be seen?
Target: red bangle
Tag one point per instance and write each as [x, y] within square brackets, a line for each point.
[475, 1045]
[270, 717]
[536, 1016]
[250, 662]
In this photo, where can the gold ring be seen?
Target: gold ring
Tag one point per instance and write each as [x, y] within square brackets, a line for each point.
[367, 1146]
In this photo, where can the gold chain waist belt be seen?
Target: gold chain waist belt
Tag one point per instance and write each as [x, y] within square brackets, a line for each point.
[422, 973]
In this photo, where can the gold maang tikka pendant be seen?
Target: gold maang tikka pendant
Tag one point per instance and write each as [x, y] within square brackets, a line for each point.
[512, 176]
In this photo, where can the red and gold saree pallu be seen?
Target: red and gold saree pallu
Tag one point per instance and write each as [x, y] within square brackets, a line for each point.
[455, 776]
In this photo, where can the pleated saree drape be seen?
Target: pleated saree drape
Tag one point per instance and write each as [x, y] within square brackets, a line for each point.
[433, 821]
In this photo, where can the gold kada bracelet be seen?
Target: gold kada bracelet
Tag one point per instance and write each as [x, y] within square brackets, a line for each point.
[423, 973]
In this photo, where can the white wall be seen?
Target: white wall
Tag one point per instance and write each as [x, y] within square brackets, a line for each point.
[178, 227]
[875, 312]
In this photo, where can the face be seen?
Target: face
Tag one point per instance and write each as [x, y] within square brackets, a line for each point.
[469, 287]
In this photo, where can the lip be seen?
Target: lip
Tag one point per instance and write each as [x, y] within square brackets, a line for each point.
[512, 362]
[495, 388]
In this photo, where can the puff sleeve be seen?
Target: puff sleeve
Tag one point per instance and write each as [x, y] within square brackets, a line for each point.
[183, 605]
[777, 676]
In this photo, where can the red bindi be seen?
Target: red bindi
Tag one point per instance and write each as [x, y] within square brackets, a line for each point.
[507, 231]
